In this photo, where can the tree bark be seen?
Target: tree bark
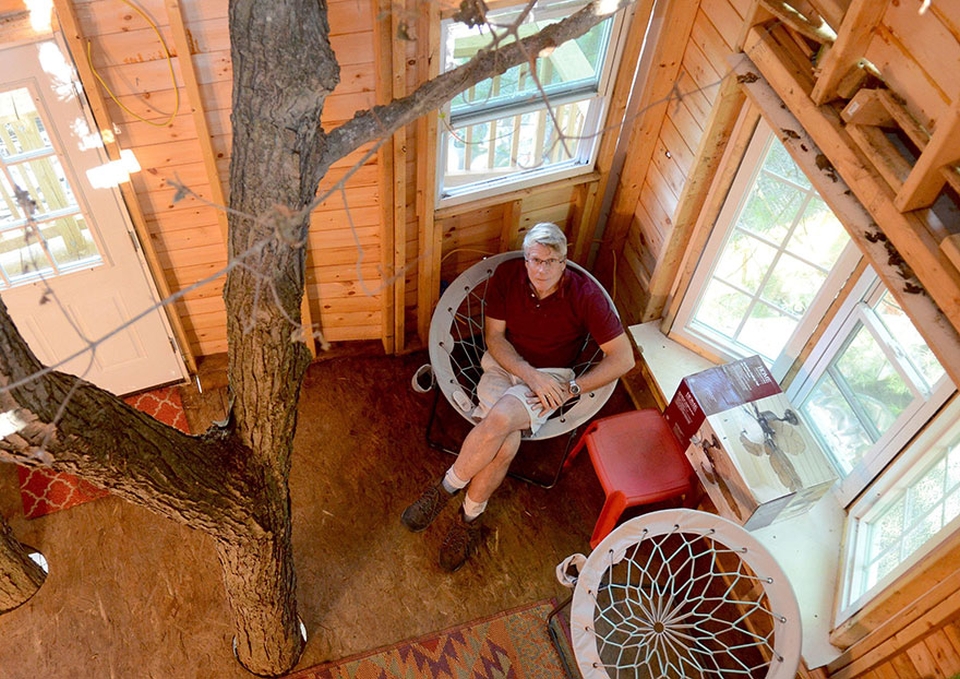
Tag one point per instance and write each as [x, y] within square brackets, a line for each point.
[380, 122]
[213, 482]
[20, 576]
[283, 70]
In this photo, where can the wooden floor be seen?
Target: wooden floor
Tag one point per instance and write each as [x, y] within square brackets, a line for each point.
[131, 594]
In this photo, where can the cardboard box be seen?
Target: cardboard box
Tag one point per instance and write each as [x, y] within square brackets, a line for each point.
[717, 389]
[756, 458]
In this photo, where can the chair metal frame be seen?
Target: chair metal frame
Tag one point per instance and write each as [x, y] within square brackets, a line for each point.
[456, 344]
[667, 621]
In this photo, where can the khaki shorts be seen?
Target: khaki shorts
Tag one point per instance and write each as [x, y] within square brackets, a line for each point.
[496, 382]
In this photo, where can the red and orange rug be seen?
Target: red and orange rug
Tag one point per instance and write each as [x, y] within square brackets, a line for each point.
[43, 491]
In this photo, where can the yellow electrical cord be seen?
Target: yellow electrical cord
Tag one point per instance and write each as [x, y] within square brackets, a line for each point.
[173, 78]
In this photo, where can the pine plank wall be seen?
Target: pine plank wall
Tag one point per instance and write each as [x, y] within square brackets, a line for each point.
[379, 247]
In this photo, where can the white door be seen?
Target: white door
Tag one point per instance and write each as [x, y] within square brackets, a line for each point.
[70, 271]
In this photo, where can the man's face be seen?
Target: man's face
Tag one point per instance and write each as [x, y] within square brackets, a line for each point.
[544, 267]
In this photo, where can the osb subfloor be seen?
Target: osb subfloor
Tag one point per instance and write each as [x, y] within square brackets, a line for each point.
[131, 594]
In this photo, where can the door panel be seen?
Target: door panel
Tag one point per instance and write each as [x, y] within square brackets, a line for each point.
[70, 272]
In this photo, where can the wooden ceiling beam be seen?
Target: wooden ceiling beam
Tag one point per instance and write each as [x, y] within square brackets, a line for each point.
[717, 133]
[813, 27]
[831, 10]
[908, 234]
[928, 175]
[660, 91]
[589, 227]
[854, 35]
[191, 85]
[917, 184]
[430, 234]
[802, 144]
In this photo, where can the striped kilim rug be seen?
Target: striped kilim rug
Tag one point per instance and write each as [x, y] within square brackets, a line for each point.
[514, 644]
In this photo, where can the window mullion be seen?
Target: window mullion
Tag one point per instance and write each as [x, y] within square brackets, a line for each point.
[892, 350]
[534, 101]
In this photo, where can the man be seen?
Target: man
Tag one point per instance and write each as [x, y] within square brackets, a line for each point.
[537, 316]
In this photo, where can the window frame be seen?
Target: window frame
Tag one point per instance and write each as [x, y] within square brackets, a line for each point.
[739, 192]
[588, 143]
[912, 420]
[846, 621]
[912, 463]
[60, 157]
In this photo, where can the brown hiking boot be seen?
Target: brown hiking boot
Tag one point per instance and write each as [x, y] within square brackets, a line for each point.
[461, 541]
[425, 508]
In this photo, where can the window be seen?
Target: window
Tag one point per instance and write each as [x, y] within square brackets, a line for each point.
[871, 390]
[913, 507]
[525, 125]
[42, 231]
[776, 257]
[869, 385]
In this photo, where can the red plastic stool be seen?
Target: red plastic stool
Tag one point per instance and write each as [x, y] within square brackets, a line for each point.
[638, 462]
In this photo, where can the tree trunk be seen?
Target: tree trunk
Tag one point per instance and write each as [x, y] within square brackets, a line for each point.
[283, 70]
[20, 576]
[212, 482]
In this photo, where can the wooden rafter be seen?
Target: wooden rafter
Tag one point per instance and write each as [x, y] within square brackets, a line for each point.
[917, 185]
[812, 27]
[850, 46]
[430, 237]
[386, 161]
[397, 284]
[716, 134]
[191, 85]
[929, 174]
[942, 337]
[712, 203]
[831, 10]
[644, 129]
[639, 22]
[906, 232]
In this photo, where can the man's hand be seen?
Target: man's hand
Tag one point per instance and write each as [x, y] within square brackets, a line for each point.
[548, 391]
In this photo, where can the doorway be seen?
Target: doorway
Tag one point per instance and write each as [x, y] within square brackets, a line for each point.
[71, 273]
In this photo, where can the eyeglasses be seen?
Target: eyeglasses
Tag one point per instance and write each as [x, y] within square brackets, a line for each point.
[536, 262]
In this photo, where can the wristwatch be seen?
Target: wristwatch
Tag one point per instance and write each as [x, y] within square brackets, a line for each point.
[574, 388]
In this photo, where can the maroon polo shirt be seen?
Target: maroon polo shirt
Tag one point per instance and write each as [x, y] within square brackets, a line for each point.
[549, 333]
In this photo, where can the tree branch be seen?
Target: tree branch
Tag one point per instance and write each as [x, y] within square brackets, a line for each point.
[71, 425]
[380, 122]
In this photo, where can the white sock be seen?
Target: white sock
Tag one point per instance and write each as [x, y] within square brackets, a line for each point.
[452, 483]
[471, 509]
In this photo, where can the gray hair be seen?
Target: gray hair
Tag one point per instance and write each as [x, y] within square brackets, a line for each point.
[548, 234]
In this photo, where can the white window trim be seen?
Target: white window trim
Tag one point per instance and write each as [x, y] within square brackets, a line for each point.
[907, 424]
[594, 127]
[900, 474]
[750, 167]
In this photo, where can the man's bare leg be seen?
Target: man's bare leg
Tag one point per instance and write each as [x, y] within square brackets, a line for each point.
[481, 466]
[490, 447]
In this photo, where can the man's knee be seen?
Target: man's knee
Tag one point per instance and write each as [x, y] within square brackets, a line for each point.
[508, 415]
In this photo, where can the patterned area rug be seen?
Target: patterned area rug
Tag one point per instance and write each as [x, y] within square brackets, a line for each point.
[43, 491]
[510, 645]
